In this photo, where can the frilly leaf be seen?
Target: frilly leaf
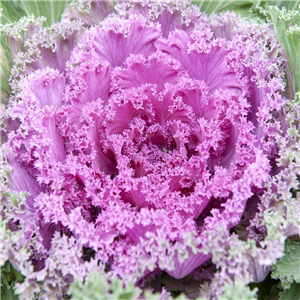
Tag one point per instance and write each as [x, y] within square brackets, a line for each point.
[288, 267]
[285, 18]
[238, 290]
[164, 295]
[98, 287]
[50, 47]
[28, 20]
[90, 12]
[13, 36]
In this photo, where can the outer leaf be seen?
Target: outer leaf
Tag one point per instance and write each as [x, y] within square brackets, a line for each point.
[288, 267]
[50, 9]
[238, 291]
[212, 6]
[14, 10]
[8, 278]
[11, 11]
[99, 287]
[287, 26]
[293, 293]
[267, 289]
[288, 4]
[13, 37]
[5, 66]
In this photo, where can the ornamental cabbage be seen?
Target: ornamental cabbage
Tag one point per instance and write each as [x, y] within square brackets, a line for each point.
[140, 134]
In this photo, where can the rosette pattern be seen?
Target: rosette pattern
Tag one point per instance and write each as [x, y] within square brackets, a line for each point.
[151, 135]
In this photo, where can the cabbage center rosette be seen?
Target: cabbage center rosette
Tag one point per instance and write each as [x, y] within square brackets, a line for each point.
[156, 133]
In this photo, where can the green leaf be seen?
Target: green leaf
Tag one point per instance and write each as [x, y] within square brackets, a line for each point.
[293, 293]
[240, 7]
[13, 36]
[12, 11]
[9, 276]
[12, 39]
[98, 287]
[238, 290]
[5, 66]
[288, 4]
[50, 9]
[287, 269]
[287, 27]
[267, 289]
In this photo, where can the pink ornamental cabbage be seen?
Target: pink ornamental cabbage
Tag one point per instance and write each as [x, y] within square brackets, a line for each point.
[150, 136]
